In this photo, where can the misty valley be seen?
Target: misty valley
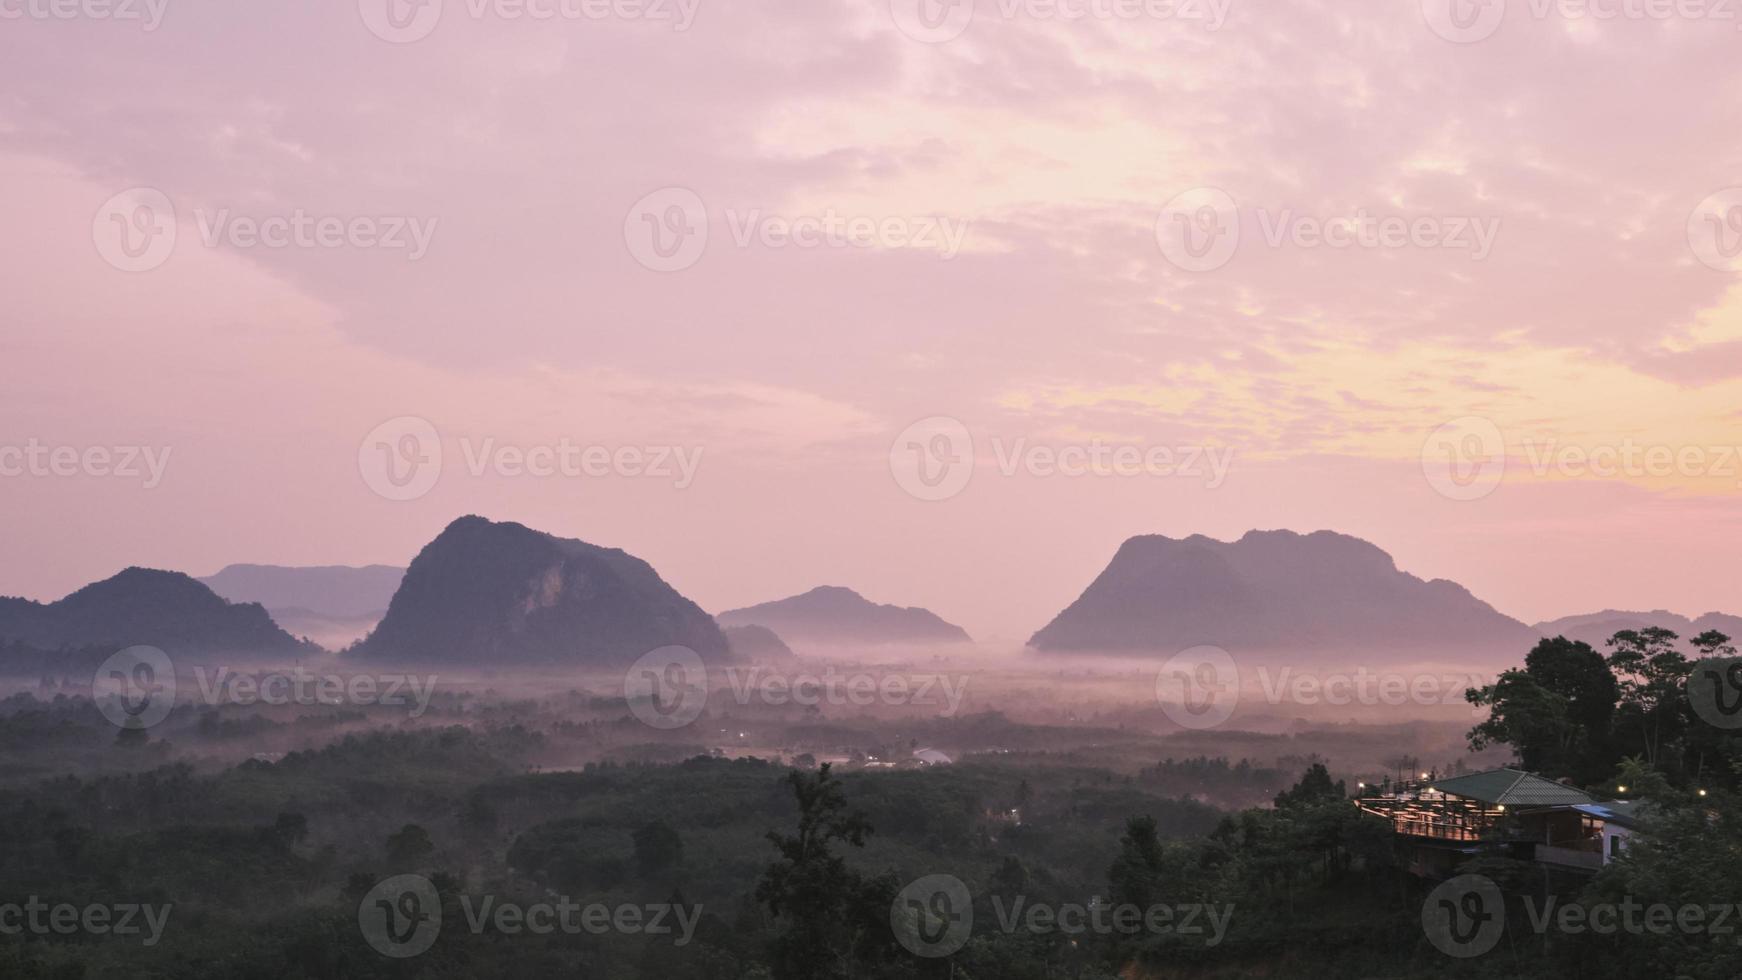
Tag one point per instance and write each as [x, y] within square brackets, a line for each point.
[530, 755]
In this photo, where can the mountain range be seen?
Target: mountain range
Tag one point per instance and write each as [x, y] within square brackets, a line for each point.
[484, 592]
[143, 606]
[1596, 628]
[488, 593]
[836, 616]
[1272, 590]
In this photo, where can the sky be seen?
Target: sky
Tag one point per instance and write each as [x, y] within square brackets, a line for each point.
[935, 299]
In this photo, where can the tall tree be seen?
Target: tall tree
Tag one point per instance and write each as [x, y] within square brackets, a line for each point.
[1557, 713]
[1651, 672]
[811, 888]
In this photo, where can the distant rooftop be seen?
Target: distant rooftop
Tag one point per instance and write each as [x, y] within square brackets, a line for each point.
[1510, 787]
[1622, 813]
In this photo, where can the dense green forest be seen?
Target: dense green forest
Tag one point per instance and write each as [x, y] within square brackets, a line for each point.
[1075, 862]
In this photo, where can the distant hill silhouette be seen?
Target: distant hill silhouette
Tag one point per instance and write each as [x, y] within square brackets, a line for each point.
[334, 605]
[488, 594]
[1273, 590]
[756, 643]
[339, 591]
[833, 615]
[142, 606]
[1596, 628]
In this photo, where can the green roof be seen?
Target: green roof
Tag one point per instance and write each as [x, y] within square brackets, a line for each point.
[1510, 787]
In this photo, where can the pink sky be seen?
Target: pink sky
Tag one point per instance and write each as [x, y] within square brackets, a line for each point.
[1594, 318]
